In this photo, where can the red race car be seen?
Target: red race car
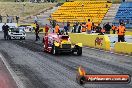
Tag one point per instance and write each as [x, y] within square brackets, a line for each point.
[55, 44]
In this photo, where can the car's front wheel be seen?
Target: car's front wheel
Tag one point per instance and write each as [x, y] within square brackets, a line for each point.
[55, 50]
[44, 48]
[23, 38]
[9, 37]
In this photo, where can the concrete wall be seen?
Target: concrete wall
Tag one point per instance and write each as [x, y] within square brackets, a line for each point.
[123, 47]
[95, 41]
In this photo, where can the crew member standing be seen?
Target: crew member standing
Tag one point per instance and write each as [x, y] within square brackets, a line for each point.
[68, 26]
[107, 28]
[46, 29]
[5, 29]
[83, 27]
[121, 32]
[89, 26]
[113, 29]
[37, 32]
[102, 31]
[57, 28]
[0, 19]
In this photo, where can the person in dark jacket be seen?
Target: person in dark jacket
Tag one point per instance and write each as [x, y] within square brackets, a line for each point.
[5, 29]
[66, 29]
[37, 32]
[74, 28]
[17, 19]
[98, 28]
[79, 28]
[0, 19]
[68, 26]
[107, 28]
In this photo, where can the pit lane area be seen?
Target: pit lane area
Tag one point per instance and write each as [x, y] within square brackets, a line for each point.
[37, 69]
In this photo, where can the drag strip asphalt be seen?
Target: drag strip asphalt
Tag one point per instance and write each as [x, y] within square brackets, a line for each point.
[37, 69]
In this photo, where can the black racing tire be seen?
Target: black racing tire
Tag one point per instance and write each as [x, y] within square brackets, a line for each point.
[43, 40]
[82, 81]
[55, 50]
[79, 51]
[44, 48]
[9, 38]
[23, 38]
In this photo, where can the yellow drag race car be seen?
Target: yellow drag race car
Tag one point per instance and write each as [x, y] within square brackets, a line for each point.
[55, 44]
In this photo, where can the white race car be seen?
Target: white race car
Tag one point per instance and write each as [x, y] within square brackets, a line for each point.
[16, 33]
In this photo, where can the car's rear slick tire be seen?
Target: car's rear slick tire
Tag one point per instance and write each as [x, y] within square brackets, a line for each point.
[79, 51]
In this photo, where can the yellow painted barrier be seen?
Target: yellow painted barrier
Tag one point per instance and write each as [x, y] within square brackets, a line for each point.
[123, 47]
[91, 40]
[126, 33]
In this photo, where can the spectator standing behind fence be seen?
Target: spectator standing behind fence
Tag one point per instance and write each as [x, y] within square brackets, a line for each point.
[83, 27]
[98, 28]
[35, 19]
[8, 18]
[68, 26]
[5, 29]
[114, 29]
[79, 28]
[107, 28]
[102, 31]
[0, 19]
[77, 25]
[66, 29]
[17, 19]
[89, 26]
[74, 28]
[57, 29]
[121, 32]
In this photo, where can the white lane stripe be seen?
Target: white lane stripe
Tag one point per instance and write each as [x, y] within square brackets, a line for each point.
[13, 74]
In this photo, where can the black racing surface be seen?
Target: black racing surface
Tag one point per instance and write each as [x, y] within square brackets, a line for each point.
[38, 69]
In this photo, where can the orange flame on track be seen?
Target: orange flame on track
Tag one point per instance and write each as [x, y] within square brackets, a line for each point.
[81, 71]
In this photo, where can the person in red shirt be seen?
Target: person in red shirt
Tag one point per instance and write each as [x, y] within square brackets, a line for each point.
[46, 29]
